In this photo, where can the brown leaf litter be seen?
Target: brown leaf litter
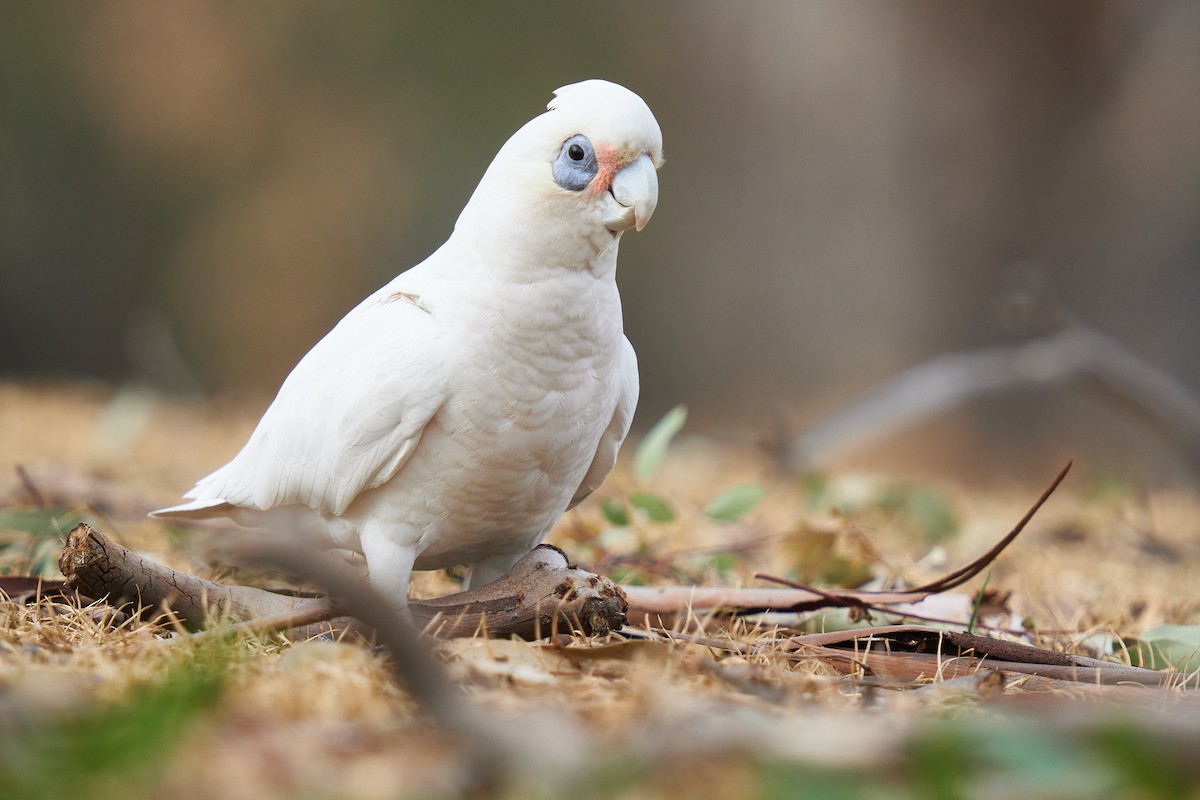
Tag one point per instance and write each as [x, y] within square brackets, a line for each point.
[689, 709]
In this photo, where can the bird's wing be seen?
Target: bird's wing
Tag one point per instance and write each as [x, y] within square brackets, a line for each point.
[610, 442]
[347, 418]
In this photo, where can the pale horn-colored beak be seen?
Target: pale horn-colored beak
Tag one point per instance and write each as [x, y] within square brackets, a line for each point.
[635, 188]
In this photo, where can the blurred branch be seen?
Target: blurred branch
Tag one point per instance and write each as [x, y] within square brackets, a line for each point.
[411, 661]
[948, 381]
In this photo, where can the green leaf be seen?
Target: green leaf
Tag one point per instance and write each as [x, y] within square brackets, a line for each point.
[621, 539]
[42, 522]
[723, 564]
[833, 619]
[735, 501]
[814, 486]
[653, 506]
[1167, 647]
[927, 507]
[653, 449]
[626, 573]
[615, 512]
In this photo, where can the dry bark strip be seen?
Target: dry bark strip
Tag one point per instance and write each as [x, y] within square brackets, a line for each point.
[907, 655]
[913, 652]
[660, 606]
[26, 588]
[542, 592]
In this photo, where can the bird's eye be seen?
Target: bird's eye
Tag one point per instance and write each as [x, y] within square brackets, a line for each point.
[576, 164]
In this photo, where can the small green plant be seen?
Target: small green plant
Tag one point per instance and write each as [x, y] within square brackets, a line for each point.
[1174, 647]
[651, 453]
[729, 505]
[114, 750]
[978, 602]
[44, 530]
[926, 509]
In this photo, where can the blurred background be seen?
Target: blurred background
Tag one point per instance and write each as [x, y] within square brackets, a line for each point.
[192, 193]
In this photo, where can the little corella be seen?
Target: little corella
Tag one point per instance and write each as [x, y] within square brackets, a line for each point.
[455, 414]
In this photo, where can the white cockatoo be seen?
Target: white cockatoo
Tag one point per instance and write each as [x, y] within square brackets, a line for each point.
[455, 414]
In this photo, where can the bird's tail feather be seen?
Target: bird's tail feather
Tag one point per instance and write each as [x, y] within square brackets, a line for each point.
[196, 509]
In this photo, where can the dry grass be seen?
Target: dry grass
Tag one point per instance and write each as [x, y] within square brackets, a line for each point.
[617, 719]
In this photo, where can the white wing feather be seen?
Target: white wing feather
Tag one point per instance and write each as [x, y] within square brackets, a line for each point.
[347, 418]
[618, 429]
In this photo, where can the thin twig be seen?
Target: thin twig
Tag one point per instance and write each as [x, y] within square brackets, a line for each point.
[835, 598]
[30, 487]
[961, 576]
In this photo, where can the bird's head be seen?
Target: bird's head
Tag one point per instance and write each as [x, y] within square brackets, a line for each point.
[609, 151]
[571, 180]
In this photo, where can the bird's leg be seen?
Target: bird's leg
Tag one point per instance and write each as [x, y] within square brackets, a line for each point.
[390, 566]
[487, 570]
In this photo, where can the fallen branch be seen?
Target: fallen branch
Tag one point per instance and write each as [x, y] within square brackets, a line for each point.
[96, 566]
[659, 606]
[908, 655]
[912, 652]
[541, 591]
[950, 380]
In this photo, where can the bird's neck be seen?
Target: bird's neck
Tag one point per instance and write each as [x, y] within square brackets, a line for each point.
[526, 250]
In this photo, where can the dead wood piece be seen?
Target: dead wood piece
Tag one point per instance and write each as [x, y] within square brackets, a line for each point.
[95, 565]
[911, 652]
[1038, 693]
[541, 593]
[917, 666]
[924, 639]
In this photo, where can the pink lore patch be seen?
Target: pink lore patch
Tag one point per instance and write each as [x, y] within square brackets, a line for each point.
[609, 162]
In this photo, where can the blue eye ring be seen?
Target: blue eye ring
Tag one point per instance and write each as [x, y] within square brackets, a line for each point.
[576, 164]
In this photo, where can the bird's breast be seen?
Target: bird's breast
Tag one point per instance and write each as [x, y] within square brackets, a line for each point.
[538, 384]
[541, 367]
